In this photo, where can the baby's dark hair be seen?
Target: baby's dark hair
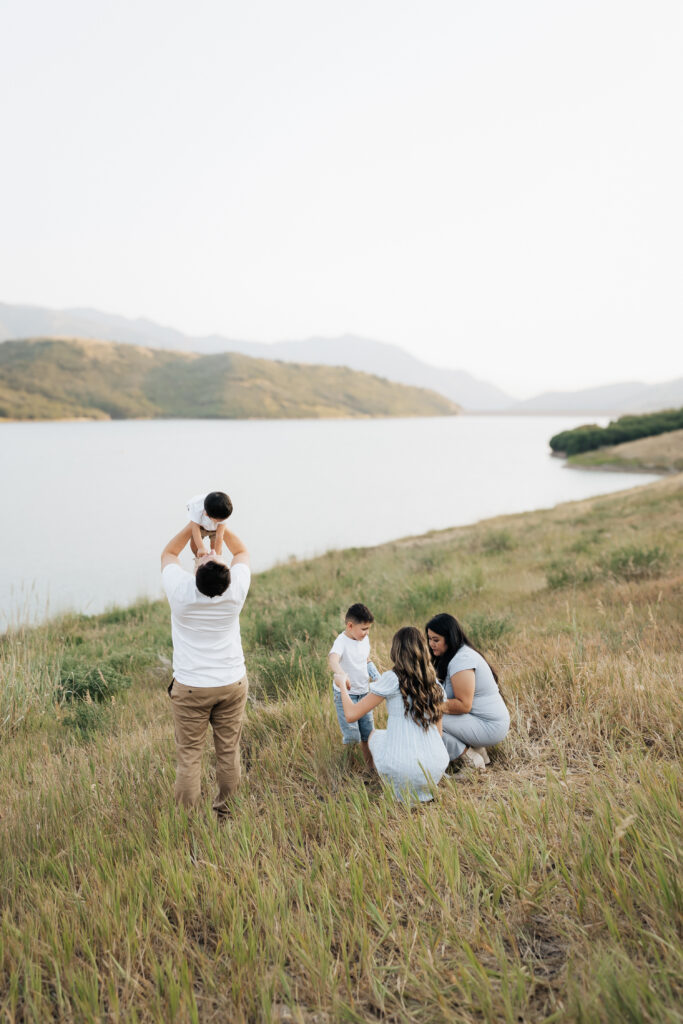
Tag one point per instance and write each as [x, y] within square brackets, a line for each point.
[212, 578]
[359, 613]
[217, 505]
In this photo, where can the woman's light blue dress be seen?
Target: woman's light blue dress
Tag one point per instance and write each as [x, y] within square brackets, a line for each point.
[409, 759]
[488, 722]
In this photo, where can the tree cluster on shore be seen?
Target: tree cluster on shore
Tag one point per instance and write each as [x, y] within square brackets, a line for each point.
[627, 428]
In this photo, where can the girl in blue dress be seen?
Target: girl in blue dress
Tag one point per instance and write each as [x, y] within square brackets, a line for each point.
[409, 755]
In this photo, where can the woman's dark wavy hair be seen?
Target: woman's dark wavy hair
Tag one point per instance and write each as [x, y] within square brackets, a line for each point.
[449, 628]
[422, 695]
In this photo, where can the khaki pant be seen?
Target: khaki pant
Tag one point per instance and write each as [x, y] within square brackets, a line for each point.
[193, 708]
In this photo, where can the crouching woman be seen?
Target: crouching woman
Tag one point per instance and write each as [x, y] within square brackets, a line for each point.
[409, 754]
[475, 714]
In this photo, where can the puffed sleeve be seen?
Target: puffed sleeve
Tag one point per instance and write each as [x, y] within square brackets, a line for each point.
[463, 659]
[385, 685]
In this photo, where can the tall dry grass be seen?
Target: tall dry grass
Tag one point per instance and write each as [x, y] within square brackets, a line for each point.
[546, 889]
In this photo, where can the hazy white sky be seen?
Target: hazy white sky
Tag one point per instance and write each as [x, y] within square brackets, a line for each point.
[494, 185]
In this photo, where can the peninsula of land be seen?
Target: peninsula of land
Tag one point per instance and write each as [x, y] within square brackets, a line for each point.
[660, 454]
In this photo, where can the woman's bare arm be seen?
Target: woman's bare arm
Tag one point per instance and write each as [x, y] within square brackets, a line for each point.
[463, 693]
[354, 712]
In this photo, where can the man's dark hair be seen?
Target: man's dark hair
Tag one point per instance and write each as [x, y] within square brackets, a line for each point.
[359, 613]
[212, 579]
[217, 505]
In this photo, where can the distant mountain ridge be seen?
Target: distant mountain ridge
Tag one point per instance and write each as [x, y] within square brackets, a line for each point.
[380, 358]
[53, 378]
[627, 397]
[364, 354]
[390, 361]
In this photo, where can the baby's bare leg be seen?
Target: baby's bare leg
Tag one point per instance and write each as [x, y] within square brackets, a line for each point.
[197, 541]
[217, 541]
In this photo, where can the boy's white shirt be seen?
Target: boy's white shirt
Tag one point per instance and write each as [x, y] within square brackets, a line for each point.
[195, 507]
[353, 659]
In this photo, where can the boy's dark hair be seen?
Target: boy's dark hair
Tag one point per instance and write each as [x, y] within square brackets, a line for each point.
[217, 505]
[359, 613]
[212, 579]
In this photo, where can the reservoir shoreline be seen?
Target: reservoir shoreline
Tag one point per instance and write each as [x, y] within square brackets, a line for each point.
[114, 492]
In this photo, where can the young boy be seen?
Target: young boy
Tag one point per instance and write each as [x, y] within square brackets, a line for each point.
[350, 659]
[208, 513]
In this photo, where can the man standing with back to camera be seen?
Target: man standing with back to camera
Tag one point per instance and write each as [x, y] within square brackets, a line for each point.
[209, 675]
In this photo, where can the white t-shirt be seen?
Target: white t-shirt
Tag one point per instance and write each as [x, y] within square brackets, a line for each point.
[195, 507]
[207, 646]
[353, 658]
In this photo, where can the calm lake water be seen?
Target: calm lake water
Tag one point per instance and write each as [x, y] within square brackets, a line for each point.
[87, 507]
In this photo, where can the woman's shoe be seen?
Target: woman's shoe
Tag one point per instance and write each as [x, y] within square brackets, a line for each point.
[482, 751]
[473, 758]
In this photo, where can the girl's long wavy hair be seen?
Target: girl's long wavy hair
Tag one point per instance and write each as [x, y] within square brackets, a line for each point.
[422, 695]
[449, 628]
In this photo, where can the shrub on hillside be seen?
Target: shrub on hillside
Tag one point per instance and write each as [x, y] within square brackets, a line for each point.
[86, 717]
[634, 563]
[581, 439]
[421, 598]
[485, 630]
[276, 674]
[88, 686]
[626, 563]
[496, 541]
[280, 630]
[95, 681]
[567, 574]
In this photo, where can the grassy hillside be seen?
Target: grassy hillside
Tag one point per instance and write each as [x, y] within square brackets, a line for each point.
[660, 454]
[65, 379]
[546, 889]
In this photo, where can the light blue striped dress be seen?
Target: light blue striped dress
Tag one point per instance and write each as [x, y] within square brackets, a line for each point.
[488, 722]
[409, 759]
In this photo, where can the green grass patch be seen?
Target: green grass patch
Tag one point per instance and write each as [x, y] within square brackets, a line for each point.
[547, 889]
[633, 562]
[630, 562]
[493, 542]
[485, 630]
[560, 574]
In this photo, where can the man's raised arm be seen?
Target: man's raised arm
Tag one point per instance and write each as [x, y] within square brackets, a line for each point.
[240, 555]
[169, 556]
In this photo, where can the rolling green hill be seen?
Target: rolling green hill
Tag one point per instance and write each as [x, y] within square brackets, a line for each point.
[53, 379]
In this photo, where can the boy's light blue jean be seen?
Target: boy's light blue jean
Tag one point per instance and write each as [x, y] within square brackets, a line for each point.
[353, 732]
